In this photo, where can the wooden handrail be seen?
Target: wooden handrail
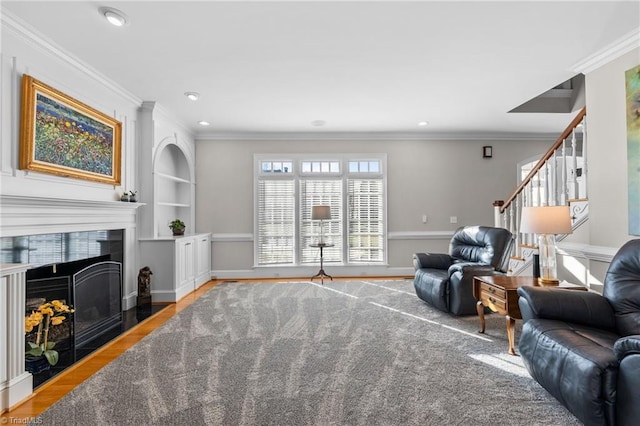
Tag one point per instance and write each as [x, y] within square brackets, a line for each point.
[565, 134]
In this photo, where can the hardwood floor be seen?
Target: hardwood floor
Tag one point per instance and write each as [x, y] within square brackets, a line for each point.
[57, 387]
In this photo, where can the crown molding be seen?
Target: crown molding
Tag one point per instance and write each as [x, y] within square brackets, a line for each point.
[159, 111]
[33, 37]
[382, 136]
[613, 51]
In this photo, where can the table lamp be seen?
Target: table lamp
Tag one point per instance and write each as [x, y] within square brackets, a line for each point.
[546, 221]
[321, 213]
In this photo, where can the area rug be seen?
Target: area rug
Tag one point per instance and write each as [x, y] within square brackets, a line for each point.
[303, 353]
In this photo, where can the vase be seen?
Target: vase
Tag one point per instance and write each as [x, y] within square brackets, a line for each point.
[35, 365]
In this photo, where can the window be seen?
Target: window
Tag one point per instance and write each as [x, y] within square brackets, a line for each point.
[286, 190]
[366, 237]
[276, 167]
[276, 222]
[364, 166]
[317, 192]
[320, 167]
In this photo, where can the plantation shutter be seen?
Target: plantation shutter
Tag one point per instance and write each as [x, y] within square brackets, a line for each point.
[365, 212]
[321, 192]
[276, 222]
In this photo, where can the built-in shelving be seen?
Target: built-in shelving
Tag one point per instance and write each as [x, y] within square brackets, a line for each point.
[173, 189]
[180, 264]
[173, 178]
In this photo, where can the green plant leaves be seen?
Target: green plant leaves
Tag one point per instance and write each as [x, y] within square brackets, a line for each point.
[35, 350]
[39, 350]
[52, 356]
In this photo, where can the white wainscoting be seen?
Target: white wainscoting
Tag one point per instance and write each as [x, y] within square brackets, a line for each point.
[597, 253]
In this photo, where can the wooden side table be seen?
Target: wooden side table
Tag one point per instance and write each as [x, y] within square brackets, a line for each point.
[321, 273]
[499, 293]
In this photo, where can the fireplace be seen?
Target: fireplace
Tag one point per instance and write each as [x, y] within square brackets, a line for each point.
[37, 232]
[85, 271]
[45, 289]
[97, 301]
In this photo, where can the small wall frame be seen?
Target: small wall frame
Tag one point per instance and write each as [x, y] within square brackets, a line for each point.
[487, 151]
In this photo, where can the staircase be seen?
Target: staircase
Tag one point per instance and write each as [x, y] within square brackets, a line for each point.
[559, 178]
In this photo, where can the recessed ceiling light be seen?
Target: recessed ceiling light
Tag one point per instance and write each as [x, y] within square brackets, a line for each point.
[204, 123]
[194, 96]
[114, 16]
[423, 123]
[318, 123]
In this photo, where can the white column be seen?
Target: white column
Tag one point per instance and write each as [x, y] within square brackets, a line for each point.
[15, 383]
[497, 222]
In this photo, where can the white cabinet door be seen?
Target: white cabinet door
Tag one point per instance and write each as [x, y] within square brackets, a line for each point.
[179, 264]
[185, 262]
[203, 259]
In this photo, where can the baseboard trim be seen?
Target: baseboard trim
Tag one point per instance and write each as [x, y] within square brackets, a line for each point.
[306, 271]
[597, 253]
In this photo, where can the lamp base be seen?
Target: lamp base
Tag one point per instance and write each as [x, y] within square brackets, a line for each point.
[547, 282]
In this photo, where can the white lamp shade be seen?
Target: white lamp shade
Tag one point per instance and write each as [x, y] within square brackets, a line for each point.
[320, 212]
[546, 220]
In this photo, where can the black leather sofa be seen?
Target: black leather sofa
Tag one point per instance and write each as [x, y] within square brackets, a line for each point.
[446, 280]
[583, 348]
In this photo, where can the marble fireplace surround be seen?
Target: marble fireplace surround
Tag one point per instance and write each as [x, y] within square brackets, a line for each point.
[23, 215]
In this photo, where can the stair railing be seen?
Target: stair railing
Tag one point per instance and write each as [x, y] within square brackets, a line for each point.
[553, 181]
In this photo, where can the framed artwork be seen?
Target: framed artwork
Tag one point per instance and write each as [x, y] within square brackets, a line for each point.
[63, 136]
[632, 80]
[487, 152]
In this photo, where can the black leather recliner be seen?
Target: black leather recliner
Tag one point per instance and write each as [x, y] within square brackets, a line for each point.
[446, 280]
[583, 348]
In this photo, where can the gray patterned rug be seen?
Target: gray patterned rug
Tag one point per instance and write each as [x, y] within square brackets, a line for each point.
[298, 353]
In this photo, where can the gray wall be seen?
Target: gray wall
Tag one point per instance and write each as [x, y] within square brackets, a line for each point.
[439, 178]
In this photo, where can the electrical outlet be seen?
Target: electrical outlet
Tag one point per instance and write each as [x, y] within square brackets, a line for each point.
[424, 218]
[453, 219]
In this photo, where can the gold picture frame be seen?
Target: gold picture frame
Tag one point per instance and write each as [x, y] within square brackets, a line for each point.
[62, 136]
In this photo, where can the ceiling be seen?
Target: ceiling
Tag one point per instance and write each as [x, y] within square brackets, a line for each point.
[358, 68]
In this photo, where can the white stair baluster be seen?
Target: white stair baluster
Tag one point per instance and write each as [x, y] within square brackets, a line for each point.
[547, 187]
[584, 155]
[538, 188]
[554, 178]
[574, 164]
[565, 189]
[516, 231]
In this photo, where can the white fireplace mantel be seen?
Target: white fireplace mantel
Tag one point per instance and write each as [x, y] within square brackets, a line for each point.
[26, 215]
[23, 215]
